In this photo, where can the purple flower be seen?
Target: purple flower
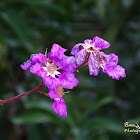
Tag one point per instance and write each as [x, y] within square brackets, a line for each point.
[58, 105]
[90, 54]
[49, 68]
[109, 65]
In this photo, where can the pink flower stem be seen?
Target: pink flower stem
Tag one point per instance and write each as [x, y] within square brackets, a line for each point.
[24, 94]
[41, 92]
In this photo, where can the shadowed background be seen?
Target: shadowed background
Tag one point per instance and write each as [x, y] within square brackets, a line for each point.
[98, 106]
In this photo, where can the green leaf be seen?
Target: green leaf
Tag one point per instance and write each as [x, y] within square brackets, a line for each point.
[134, 120]
[37, 132]
[105, 124]
[96, 106]
[19, 28]
[45, 4]
[35, 116]
[101, 7]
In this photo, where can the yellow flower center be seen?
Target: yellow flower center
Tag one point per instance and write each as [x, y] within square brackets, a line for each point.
[51, 68]
[60, 91]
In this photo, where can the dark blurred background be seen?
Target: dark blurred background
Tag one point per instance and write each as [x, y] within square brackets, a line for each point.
[98, 106]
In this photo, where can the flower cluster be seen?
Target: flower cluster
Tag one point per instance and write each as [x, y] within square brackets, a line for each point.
[57, 70]
[49, 70]
[94, 58]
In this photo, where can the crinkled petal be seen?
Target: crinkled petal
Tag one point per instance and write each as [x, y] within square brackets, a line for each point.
[51, 82]
[108, 60]
[38, 58]
[68, 80]
[93, 64]
[67, 64]
[38, 70]
[113, 60]
[100, 43]
[115, 71]
[57, 53]
[60, 108]
[53, 95]
[58, 105]
[75, 49]
[80, 57]
[26, 65]
[104, 59]
[88, 41]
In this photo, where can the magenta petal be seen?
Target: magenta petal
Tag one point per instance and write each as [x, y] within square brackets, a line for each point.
[75, 49]
[60, 108]
[80, 57]
[100, 43]
[26, 65]
[33, 59]
[108, 60]
[68, 80]
[93, 64]
[57, 53]
[113, 60]
[115, 72]
[51, 82]
[38, 70]
[67, 63]
[88, 41]
[53, 95]
[104, 56]
[58, 105]
[38, 58]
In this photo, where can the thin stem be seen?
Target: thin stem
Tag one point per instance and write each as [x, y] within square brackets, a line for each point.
[24, 94]
[41, 92]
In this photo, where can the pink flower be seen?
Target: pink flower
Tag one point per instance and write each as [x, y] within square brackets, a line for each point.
[90, 52]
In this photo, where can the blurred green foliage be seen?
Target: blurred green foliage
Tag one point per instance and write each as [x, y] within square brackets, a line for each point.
[98, 106]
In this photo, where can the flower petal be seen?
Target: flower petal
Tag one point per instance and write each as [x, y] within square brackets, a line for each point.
[26, 65]
[87, 44]
[58, 105]
[93, 64]
[108, 60]
[37, 69]
[67, 64]
[60, 108]
[88, 41]
[80, 57]
[100, 43]
[75, 49]
[115, 71]
[53, 95]
[51, 82]
[38, 58]
[57, 53]
[68, 80]
[113, 60]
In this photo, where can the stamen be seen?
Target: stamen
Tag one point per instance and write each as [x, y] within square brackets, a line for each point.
[67, 92]
[102, 63]
[60, 91]
[51, 68]
[46, 52]
[91, 49]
